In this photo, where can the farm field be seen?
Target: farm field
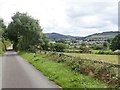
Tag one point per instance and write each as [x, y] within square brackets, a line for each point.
[105, 58]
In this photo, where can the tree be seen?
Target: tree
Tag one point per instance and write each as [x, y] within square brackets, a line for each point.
[45, 44]
[84, 48]
[115, 44]
[51, 47]
[25, 32]
[60, 41]
[2, 25]
[105, 45]
[1, 32]
[97, 47]
[3, 42]
[59, 47]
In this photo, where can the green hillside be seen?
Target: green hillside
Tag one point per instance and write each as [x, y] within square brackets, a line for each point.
[104, 35]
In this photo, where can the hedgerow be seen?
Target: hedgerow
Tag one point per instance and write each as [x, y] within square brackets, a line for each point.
[104, 72]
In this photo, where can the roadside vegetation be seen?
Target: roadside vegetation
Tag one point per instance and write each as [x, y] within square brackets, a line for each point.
[1, 32]
[60, 73]
[4, 43]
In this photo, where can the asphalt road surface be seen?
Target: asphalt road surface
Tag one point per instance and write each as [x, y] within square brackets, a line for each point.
[18, 73]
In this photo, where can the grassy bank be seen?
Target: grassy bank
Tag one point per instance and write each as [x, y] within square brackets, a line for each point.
[60, 73]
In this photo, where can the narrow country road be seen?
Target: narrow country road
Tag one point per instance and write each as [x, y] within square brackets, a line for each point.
[18, 73]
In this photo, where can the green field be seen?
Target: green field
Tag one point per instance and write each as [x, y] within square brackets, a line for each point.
[105, 58]
[60, 73]
[102, 36]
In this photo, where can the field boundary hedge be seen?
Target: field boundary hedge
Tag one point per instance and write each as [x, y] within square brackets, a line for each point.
[103, 71]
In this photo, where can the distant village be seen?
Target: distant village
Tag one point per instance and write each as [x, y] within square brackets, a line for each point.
[97, 38]
[76, 41]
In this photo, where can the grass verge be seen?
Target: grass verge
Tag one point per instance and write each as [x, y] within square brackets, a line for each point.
[60, 73]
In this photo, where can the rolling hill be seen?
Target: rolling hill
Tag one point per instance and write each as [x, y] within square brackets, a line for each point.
[103, 35]
[59, 36]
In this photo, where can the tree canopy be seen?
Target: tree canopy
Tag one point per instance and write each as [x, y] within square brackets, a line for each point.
[59, 47]
[3, 42]
[115, 44]
[25, 32]
[2, 27]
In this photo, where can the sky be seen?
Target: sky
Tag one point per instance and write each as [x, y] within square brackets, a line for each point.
[68, 17]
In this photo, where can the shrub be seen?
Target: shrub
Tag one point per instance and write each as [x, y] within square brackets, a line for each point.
[59, 47]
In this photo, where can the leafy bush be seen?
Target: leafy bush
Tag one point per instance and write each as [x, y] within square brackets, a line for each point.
[96, 47]
[59, 47]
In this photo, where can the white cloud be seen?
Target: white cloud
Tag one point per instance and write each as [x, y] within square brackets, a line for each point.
[74, 17]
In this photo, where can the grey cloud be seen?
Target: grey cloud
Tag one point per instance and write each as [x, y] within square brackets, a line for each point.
[77, 11]
[84, 8]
